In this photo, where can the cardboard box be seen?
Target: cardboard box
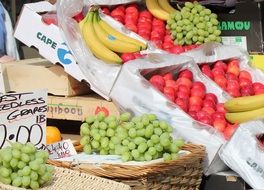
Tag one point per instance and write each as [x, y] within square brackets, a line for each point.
[79, 107]
[244, 153]
[32, 31]
[257, 61]
[33, 74]
[228, 180]
[48, 39]
[243, 26]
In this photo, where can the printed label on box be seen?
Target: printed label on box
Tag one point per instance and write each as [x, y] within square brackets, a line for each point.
[61, 149]
[240, 41]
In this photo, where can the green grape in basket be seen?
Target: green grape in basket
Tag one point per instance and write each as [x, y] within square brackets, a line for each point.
[140, 138]
[22, 165]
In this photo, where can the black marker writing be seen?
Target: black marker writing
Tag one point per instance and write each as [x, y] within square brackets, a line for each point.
[14, 105]
[33, 134]
[18, 114]
[12, 97]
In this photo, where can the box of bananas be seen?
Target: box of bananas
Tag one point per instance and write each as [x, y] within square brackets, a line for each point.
[106, 42]
[97, 42]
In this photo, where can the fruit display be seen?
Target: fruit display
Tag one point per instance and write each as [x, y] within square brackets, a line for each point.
[192, 97]
[22, 165]
[193, 24]
[140, 138]
[105, 42]
[149, 27]
[53, 135]
[245, 109]
[160, 8]
[232, 79]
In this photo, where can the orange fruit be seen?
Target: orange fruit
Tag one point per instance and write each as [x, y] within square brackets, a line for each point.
[53, 134]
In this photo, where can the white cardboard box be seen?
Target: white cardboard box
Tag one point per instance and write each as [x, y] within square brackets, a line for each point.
[33, 32]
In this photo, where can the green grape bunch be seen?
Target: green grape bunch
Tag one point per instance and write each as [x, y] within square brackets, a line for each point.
[22, 165]
[193, 24]
[139, 138]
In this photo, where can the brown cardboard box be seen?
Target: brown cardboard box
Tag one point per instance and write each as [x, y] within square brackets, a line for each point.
[38, 73]
[79, 107]
[52, 1]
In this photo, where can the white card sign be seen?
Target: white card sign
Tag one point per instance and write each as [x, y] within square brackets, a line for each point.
[61, 149]
[23, 118]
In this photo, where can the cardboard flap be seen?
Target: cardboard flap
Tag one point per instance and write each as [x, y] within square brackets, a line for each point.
[42, 6]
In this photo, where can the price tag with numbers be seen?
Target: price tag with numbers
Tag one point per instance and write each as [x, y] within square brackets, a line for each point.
[23, 118]
[61, 149]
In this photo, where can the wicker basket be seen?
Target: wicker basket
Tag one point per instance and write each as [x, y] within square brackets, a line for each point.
[184, 173]
[66, 179]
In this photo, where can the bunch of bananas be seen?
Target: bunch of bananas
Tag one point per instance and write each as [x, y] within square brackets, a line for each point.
[245, 108]
[104, 41]
[160, 8]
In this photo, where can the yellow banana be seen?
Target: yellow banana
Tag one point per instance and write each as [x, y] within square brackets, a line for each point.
[245, 103]
[112, 42]
[156, 10]
[111, 31]
[165, 5]
[81, 24]
[97, 48]
[240, 117]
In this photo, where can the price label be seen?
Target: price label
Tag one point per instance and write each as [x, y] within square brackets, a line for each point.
[23, 118]
[61, 149]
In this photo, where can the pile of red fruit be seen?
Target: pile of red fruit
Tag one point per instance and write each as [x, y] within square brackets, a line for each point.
[229, 76]
[144, 24]
[191, 96]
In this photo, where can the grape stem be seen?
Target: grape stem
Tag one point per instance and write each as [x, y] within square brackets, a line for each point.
[179, 7]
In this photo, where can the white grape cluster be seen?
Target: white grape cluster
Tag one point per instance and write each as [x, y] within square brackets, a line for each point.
[22, 165]
[141, 138]
[193, 24]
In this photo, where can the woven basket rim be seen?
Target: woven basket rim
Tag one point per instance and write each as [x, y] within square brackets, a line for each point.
[196, 156]
[78, 180]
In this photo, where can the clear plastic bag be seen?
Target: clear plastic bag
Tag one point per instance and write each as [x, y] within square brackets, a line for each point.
[212, 52]
[245, 155]
[109, 2]
[132, 92]
[100, 75]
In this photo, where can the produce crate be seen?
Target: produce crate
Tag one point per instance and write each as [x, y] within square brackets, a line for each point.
[183, 173]
[78, 107]
[33, 74]
[74, 180]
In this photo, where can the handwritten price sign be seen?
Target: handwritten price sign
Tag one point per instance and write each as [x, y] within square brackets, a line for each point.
[23, 118]
[61, 149]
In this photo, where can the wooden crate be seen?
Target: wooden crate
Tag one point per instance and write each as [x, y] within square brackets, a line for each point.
[38, 73]
[79, 107]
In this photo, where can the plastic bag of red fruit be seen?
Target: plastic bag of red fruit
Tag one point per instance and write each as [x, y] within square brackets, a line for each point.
[195, 95]
[110, 2]
[244, 153]
[230, 68]
[100, 73]
[137, 18]
[172, 87]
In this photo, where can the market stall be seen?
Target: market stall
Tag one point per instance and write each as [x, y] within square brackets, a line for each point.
[161, 94]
